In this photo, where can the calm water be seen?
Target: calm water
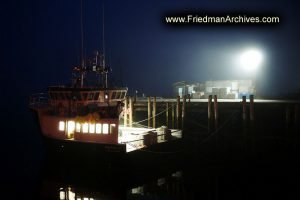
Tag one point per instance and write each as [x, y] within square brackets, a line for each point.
[228, 165]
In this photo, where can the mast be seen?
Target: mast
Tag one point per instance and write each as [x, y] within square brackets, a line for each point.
[81, 47]
[103, 43]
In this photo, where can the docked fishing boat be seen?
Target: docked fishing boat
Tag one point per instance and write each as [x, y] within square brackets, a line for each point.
[89, 114]
[80, 122]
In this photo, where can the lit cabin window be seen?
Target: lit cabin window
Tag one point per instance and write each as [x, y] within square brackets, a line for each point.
[71, 126]
[62, 195]
[105, 128]
[61, 126]
[71, 194]
[92, 128]
[98, 128]
[85, 128]
[78, 127]
[112, 128]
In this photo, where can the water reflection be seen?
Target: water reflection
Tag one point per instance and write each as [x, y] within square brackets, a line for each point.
[169, 187]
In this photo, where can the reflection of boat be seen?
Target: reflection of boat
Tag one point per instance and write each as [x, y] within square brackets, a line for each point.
[170, 184]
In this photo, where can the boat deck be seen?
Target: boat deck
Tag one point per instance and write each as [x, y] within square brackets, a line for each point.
[134, 137]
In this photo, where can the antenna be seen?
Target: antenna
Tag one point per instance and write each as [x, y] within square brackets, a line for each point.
[103, 43]
[81, 47]
[103, 36]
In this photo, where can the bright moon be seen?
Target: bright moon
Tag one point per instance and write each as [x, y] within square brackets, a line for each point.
[251, 59]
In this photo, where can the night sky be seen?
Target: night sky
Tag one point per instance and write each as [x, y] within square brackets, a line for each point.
[40, 42]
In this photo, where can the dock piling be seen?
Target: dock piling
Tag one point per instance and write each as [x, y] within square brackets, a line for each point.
[149, 112]
[131, 111]
[244, 108]
[154, 112]
[173, 115]
[252, 107]
[216, 110]
[209, 111]
[167, 114]
[126, 111]
[177, 111]
[183, 112]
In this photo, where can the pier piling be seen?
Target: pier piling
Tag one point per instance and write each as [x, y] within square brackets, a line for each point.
[149, 112]
[154, 112]
[173, 115]
[216, 110]
[126, 111]
[183, 112]
[131, 111]
[167, 114]
[177, 111]
[251, 107]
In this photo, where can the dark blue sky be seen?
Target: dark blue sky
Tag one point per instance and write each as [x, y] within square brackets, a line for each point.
[40, 42]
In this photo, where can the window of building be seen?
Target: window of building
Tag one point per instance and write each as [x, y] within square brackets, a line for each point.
[98, 128]
[61, 126]
[105, 129]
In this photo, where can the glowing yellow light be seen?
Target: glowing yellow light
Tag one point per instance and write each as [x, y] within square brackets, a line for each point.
[92, 128]
[85, 128]
[71, 126]
[61, 126]
[71, 195]
[105, 128]
[98, 128]
[78, 127]
[62, 195]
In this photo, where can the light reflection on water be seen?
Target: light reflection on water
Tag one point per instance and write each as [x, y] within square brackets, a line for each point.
[169, 187]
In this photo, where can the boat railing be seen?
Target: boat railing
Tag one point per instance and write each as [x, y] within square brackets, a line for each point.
[38, 100]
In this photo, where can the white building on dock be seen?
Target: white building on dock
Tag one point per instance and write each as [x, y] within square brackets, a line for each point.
[224, 89]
